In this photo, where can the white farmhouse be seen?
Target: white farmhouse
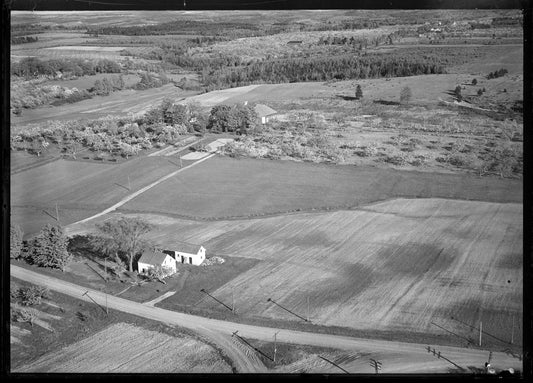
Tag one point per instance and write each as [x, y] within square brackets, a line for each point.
[183, 252]
[152, 259]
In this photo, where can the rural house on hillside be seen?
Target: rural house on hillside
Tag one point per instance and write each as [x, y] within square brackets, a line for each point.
[264, 112]
[152, 259]
[183, 252]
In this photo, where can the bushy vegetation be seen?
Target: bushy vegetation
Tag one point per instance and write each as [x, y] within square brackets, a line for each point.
[302, 140]
[497, 73]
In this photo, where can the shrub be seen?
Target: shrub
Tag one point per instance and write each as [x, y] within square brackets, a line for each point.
[24, 315]
[474, 82]
[358, 92]
[32, 295]
[405, 95]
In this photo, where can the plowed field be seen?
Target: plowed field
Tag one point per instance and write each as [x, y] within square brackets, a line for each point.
[146, 351]
[403, 265]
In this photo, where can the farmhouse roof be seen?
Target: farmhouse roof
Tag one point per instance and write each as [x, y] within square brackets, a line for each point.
[182, 247]
[263, 110]
[155, 258]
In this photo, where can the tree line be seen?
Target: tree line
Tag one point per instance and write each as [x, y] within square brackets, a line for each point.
[23, 39]
[322, 69]
[30, 67]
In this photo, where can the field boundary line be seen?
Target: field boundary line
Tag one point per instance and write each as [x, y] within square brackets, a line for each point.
[316, 210]
[140, 191]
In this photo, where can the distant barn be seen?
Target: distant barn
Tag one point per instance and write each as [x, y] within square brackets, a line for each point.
[264, 112]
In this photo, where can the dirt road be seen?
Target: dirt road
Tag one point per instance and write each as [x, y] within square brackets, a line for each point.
[206, 326]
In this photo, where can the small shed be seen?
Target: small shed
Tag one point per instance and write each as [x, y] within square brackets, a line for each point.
[264, 112]
[152, 259]
[183, 252]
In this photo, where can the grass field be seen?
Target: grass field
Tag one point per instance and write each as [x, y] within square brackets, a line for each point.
[394, 266]
[147, 352]
[223, 187]
[79, 188]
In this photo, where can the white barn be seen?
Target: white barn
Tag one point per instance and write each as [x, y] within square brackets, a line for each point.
[152, 259]
[183, 252]
[264, 112]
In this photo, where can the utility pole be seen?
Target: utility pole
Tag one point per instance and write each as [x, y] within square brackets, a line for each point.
[87, 293]
[275, 345]
[129, 186]
[57, 214]
[308, 309]
[377, 365]
[480, 331]
[233, 299]
[335, 364]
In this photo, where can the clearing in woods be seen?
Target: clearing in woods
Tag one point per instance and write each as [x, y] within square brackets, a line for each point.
[147, 351]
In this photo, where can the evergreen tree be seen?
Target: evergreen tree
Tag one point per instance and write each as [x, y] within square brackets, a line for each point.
[358, 92]
[15, 241]
[49, 248]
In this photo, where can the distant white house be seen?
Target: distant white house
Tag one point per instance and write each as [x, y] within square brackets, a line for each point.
[264, 112]
[183, 252]
[152, 259]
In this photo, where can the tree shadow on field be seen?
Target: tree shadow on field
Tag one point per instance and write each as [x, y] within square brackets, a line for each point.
[385, 102]
[346, 98]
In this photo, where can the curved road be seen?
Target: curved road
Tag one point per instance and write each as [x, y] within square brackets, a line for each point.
[220, 331]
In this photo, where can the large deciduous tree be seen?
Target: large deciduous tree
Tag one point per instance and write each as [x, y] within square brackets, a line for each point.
[123, 236]
[50, 248]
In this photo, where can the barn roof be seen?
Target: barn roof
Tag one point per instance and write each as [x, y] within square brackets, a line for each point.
[155, 258]
[263, 110]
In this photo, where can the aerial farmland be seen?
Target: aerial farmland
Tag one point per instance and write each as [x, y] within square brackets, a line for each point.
[316, 192]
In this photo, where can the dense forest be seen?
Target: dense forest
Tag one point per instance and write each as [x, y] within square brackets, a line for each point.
[322, 69]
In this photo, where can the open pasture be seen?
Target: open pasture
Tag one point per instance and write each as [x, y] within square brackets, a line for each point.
[223, 187]
[147, 351]
[118, 103]
[396, 266]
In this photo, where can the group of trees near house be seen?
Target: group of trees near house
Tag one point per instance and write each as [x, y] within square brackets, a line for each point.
[120, 239]
[48, 249]
[30, 67]
[237, 118]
